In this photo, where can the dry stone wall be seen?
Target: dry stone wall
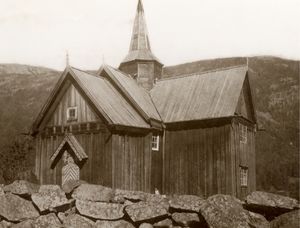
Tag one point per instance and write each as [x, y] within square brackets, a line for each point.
[78, 204]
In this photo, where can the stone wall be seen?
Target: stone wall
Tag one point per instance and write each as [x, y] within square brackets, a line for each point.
[78, 204]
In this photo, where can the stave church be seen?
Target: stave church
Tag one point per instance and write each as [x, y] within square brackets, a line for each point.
[145, 126]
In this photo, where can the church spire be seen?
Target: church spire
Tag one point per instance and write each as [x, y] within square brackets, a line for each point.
[140, 38]
[140, 61]
[139, 48]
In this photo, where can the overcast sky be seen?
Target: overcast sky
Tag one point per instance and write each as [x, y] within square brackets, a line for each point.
[39, 32]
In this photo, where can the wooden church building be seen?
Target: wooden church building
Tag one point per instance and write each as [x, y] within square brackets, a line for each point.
[133, 128]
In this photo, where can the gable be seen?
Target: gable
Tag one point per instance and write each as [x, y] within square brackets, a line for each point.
[71, 98]
[245, 104]
[103, 99]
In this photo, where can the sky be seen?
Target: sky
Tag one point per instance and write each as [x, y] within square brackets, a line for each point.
[40, 32]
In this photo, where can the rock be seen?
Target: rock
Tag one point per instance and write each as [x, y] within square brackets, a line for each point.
[95, 193]
[144, 211]
[186, 203]
[21, 187]
[225, 211]
[1, 190]
[133, 196]
[5, 224]
[15, 208]
[47, 221]
[257, 220]
[70, 185]
[187, 219]
[100, 210]
[287, 220]
[145, 225]
[113, 224]
[157, 199]
[50, 197]
[164, 223]
[24, 224]
[63, 215]
[269, 204]
[75, 220]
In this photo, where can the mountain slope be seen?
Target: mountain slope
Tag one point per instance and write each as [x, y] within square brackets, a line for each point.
[23, 90]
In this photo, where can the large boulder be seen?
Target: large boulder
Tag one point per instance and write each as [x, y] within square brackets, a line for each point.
[287, 220]
[186, 219]
[164, 223]
[1, 189]
[22, 187]
[95, 193]
[113, 224]
[158, 199]
[145, 211]
[100, 210]
[75, 220]
[25, 224]
[70, 185]
[133, 196]
[50, 197]
[145, 225]
[269, 204]
[15, 208]
[5, 224]
[47, 221]
[186, 203]
[227, 211]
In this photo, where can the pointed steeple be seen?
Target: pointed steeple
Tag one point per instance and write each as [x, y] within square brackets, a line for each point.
[140, 48]
[140, 62]
[140, 39]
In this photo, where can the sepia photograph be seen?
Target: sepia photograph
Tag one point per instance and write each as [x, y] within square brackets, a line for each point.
[149, 113]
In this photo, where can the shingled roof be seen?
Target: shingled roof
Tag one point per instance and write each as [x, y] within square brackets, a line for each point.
[137, 94]
[106, 99]
[121, 101]
[201, 96]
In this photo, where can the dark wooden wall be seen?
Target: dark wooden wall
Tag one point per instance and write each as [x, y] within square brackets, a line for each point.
[131, 162]
[97, 168]
[206, 161]
[245, 156]
[71, 98]
[114, 160]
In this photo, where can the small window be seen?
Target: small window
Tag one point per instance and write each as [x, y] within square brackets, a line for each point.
[243, 133]
[72, 113]
[244, 176]
[155, 142]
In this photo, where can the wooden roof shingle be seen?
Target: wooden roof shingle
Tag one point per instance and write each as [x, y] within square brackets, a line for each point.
[108, 100]
[200, 96]
[139, 96]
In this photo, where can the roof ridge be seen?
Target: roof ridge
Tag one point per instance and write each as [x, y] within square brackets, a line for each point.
[91, 74]
[125, 74]
[203, 72]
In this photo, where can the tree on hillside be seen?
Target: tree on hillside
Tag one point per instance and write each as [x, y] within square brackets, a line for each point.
[17, 158]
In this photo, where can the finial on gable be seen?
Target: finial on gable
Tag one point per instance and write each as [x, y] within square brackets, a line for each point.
[67, 59]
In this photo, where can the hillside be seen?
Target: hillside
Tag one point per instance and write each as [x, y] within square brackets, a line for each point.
[275, 84]
[23, 90]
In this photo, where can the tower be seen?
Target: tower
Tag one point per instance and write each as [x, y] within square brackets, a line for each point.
[140, 61]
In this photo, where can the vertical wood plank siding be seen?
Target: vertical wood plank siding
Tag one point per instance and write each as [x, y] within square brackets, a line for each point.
[119, 161]
[72, 98]
[131, 162]
[206, 161]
